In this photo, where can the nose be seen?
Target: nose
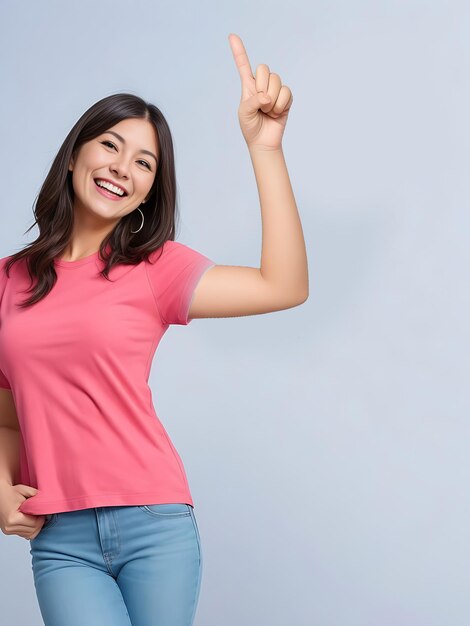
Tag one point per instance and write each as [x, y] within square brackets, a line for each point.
[120, 169]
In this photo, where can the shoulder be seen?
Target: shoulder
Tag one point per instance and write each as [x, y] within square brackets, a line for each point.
[3, 276]
[171, 246]
[174, 252]
[16, 270]
[3, 262]
[4, 259]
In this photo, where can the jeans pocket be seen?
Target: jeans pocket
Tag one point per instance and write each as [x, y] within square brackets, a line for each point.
[165, 511]
[51, 520]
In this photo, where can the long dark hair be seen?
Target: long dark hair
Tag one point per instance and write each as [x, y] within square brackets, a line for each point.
[54, 207]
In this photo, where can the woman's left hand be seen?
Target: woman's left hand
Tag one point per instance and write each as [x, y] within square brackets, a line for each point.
[262, 121]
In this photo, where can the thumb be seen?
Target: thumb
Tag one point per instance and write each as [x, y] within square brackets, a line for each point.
[255, 102]
[26, 490]
[263, 97]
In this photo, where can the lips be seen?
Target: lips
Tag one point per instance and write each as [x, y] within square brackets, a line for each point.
[108, 194]
[106, 180]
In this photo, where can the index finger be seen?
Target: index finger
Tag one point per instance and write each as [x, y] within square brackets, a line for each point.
[240, 56]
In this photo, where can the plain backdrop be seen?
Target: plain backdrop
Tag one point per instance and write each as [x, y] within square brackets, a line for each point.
[326, 446]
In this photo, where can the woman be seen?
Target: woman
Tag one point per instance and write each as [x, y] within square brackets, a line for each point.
[88, 473]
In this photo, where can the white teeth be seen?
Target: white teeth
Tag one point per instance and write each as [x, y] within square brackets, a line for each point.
[113, 188]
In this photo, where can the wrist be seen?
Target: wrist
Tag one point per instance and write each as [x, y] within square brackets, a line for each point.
[263, 149]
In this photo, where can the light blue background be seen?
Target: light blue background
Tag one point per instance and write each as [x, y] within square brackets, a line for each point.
[326, 446]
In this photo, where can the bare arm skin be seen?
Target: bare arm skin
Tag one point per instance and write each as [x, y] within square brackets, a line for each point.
[281, 281]
[12, 521]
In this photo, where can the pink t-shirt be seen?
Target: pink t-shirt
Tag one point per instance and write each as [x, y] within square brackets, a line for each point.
[78, 362]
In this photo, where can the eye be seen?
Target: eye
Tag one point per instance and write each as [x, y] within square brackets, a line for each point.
[141, 160]
[109, 142]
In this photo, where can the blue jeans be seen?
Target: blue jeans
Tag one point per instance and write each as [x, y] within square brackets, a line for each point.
[118, 566]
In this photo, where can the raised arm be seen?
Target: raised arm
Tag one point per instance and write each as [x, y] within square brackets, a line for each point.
[281, 281]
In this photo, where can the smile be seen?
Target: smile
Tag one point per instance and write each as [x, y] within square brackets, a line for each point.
[107, 193]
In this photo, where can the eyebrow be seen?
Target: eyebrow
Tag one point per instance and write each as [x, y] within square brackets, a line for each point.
[124, 141]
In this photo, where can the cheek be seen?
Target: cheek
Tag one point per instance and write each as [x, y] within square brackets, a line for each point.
[142, 187]
[78, 178]
[148, 187]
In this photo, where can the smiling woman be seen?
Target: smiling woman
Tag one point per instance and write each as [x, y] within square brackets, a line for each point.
[90, 456]
[127, 142]
[115, 173]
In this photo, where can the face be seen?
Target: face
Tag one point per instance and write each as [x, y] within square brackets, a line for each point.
[124, 162]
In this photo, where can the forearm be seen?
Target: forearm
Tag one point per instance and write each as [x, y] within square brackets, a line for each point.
[283, 254]
[9, 455]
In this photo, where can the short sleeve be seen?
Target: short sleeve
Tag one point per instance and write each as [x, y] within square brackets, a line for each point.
[174, 274]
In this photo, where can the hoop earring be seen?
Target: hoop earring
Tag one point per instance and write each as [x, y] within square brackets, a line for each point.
[136, 231]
